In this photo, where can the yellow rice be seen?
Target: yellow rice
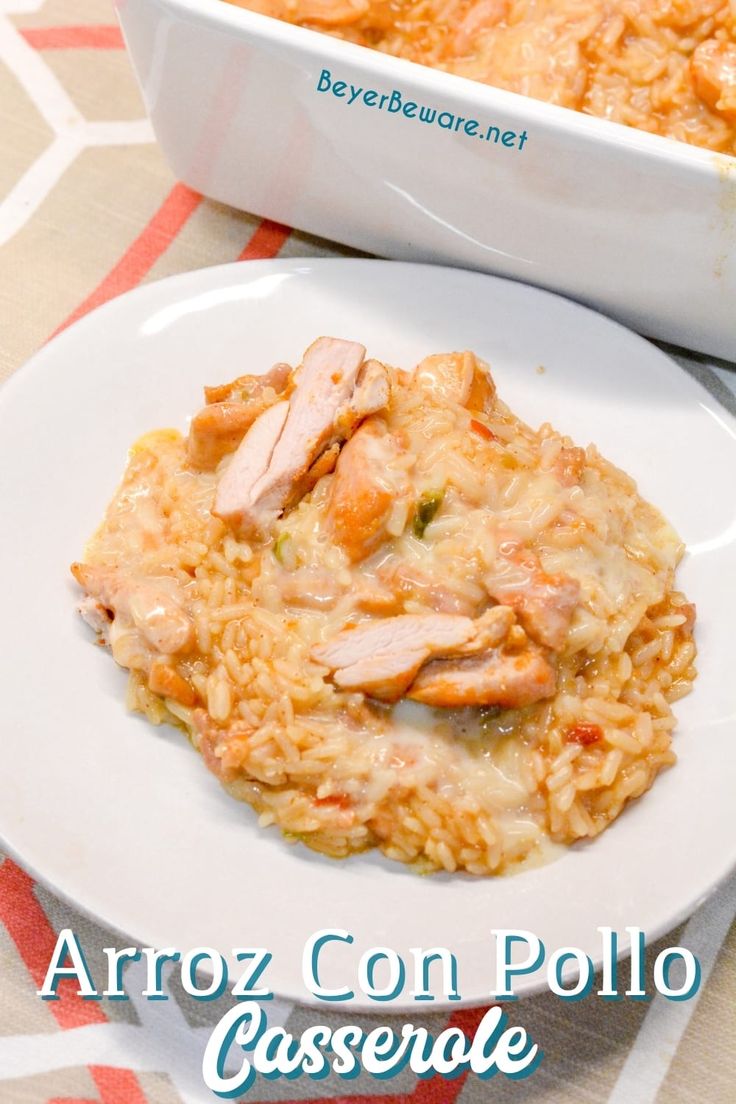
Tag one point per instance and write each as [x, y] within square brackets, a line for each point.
[630, 61]
[476, 790]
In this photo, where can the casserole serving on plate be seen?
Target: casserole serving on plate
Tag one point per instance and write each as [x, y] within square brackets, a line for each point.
[410, 162]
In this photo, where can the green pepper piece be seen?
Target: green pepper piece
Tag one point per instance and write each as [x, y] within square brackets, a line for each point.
[427, 507]
[278, 547]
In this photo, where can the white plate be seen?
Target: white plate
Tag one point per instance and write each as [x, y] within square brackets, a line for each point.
[123, 819]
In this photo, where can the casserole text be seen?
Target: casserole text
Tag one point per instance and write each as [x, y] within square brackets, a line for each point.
[396, 104]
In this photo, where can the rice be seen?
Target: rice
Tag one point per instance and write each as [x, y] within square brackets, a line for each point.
[664, 66]
[479, 790]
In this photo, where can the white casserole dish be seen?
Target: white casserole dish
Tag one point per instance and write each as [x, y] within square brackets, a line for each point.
[642, 227]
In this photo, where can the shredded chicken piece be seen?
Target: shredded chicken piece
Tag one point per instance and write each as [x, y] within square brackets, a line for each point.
[544, 604]
[570, 465]
[94, 614]
[456, 377]
[152, 605]
[364, 490]
[713, 72]
[310, 588]
[409, 582]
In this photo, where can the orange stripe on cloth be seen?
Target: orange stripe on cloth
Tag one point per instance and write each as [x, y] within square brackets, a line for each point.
[155, 238]
[92, 37]
[266, 241]
[117, 1086]
[71, 1100]
[438, 1089]
[29, 928]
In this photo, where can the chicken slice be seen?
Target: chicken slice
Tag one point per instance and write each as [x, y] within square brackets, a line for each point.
[248, 465]
[384, 677]
[456, 377]
[382, 658]
[493, 678]
[364, 490]
[153, 605]
[218, 429]
[544, 604]
[220, 426]
[325, 384]
[323, 465]
[425, 632]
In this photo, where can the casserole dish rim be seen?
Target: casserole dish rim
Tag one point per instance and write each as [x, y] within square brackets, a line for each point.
[568, 122]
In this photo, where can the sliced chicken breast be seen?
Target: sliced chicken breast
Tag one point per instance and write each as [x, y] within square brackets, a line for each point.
[323, 465]
[218, 429]
[425, 632]
[384, 677]
[382, 658]
[510, 681]
[231, 410]
[233, 497]
[324, 385]
[323, 409]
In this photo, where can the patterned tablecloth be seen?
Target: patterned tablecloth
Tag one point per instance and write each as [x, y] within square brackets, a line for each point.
[89, 209]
